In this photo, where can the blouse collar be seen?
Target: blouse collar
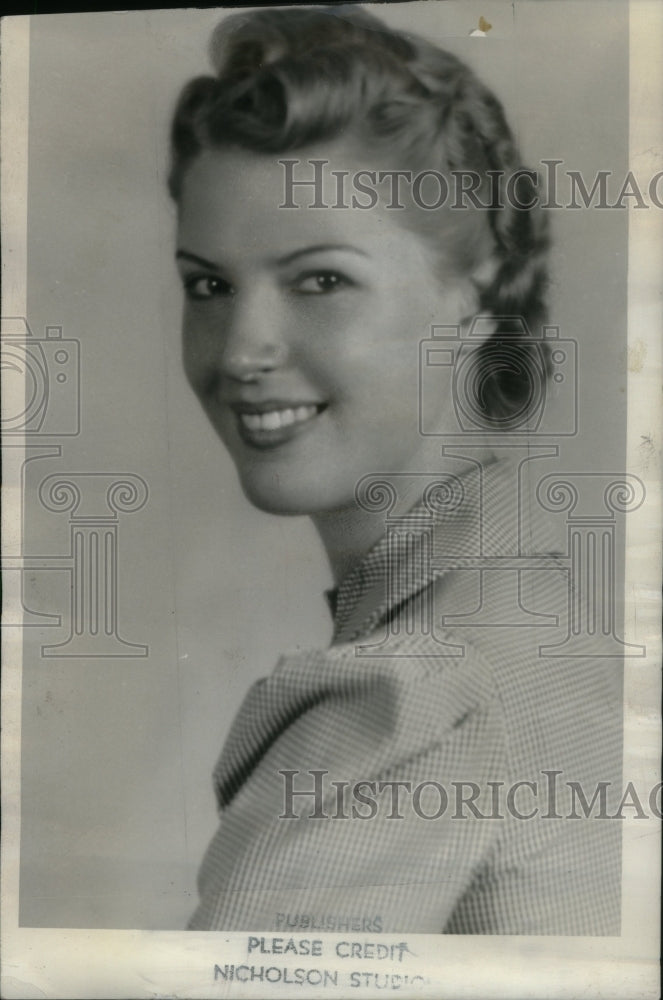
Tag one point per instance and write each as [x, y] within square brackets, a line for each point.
[419, 546]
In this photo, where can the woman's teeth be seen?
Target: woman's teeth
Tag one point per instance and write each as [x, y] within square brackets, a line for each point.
[274, 419]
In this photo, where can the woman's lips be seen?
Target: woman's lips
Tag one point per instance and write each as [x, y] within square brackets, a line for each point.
[266, 425]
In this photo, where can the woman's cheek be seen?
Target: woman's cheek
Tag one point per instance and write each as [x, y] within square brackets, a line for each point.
[192, 361]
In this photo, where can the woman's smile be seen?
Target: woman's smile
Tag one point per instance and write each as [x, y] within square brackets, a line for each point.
[273, 423]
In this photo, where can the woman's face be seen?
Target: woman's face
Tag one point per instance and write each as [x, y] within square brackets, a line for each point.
[302, 327]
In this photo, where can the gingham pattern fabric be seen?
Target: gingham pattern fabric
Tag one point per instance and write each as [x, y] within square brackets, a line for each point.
[378, 707]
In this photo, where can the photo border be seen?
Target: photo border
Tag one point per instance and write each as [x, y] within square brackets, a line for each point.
[119, 963]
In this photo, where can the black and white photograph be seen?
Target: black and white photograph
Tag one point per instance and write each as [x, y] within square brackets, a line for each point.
[331, 500]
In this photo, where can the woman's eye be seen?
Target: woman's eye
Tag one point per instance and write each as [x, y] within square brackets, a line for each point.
[206, 287]
[321, 283]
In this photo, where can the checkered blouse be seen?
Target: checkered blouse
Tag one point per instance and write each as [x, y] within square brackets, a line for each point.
[438, 745]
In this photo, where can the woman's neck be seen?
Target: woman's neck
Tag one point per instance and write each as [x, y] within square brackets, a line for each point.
[347, 536]
[350, 532]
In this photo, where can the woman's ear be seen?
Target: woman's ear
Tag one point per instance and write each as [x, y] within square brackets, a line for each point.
[477, 281]
[484, 274]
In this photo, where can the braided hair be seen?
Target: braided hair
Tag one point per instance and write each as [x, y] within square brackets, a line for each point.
[287, 78]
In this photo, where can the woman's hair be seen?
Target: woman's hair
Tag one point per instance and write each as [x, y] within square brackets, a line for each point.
[287, 78]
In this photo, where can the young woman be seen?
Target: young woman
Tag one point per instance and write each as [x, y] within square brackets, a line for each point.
[407, 777]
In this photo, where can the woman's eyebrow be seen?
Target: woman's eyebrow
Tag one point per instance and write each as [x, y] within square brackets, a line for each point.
[318, 248]
[280, 261]
[195, 259]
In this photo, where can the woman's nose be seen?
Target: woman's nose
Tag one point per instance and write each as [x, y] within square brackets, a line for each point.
[252, 342]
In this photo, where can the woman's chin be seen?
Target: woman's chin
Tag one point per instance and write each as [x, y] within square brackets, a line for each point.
[283, 498]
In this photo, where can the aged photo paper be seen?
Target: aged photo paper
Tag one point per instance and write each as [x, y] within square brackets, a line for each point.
[303, 694]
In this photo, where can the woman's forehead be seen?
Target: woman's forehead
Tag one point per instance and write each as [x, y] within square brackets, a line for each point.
[328, 193]
[235, 196]
[320, 175]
